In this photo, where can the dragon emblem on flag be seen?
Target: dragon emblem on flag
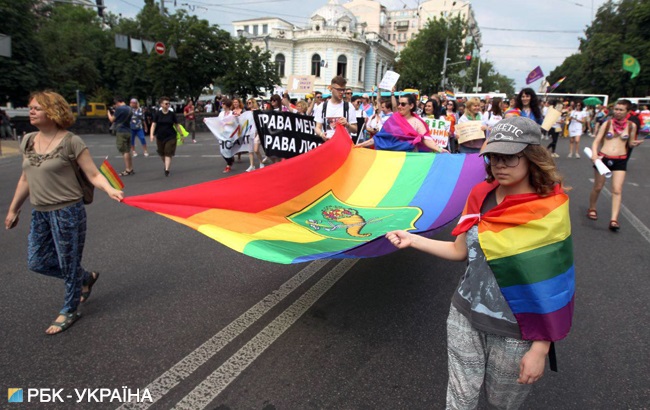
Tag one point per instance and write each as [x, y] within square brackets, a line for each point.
[332, 218]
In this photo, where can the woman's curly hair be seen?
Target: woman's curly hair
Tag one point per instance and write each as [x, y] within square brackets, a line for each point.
[55, 106]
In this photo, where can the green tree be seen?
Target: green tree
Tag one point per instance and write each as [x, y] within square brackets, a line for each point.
[250, 70]
[619, 27]
[26, 70]
[420, 64]
[73, 42]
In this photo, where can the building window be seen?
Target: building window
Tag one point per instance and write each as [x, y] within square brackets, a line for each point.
[315, 65]
[265, 29]
[279, 64]
[341, 65]
[246, 29]
[360, 69]
[255, 30]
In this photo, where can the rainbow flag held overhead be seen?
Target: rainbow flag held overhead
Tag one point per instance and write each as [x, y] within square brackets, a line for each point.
[335, 201]
[527, 243]
[450, 94]
[109, 173]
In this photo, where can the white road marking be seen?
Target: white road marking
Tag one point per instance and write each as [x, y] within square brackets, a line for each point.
[213, 385]
[631, 218]
[181, 370]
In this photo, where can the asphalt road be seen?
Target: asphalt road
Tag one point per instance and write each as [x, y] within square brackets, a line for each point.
[205, 327]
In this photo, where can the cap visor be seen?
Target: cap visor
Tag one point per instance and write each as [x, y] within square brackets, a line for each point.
[501, 147]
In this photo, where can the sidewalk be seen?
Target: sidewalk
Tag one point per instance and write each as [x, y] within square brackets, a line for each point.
[9, 148]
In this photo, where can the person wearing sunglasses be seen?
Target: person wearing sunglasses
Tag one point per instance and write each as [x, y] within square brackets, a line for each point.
[335, 112]
[315, 102]
[348, 95]
[517, 293]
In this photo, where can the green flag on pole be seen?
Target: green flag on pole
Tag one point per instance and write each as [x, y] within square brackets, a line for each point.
[631, 64]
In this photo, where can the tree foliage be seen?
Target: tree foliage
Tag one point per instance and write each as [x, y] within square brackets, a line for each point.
[619, 27]
[67, 48]
[250, 70]
[25, 70]
[421, 62]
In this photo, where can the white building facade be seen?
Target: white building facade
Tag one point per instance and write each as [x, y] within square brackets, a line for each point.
[334, 43]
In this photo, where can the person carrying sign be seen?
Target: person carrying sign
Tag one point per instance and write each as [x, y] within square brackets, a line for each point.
[335, 111]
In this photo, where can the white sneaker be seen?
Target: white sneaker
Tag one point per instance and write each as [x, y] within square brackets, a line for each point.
[570, 155]
[555, 155]
[251, 168]
[134, 154]
[265, 160]
[261, 165]
[146, 154]
[577, 155]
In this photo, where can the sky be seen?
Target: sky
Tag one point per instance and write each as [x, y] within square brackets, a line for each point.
[554, 26]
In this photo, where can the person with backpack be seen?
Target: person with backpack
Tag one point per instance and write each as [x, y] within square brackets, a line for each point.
[58, 227]
[138, 127]
[335, 111]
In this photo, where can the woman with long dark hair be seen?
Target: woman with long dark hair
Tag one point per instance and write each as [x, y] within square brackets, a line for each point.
[527, 105]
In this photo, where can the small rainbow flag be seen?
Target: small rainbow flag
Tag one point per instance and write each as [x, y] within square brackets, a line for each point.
[556, 85]
[527, 243]
[450, 94]
[341, 208]
[109, 173]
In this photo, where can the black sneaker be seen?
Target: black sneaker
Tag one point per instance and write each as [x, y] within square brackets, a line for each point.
[166, 173]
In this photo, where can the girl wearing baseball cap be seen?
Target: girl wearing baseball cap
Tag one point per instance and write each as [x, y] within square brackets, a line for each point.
[516, 296]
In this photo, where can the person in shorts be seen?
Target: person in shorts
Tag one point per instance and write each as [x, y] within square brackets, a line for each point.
[122, 118]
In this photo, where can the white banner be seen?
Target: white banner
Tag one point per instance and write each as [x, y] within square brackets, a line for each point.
[235, 134]
[136, 45]
[122, 41]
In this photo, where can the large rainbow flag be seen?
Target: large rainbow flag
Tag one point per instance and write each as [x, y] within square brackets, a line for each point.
[335, 201]
[527, 243]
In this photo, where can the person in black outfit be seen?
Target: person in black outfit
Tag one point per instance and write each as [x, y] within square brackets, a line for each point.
[164, 128]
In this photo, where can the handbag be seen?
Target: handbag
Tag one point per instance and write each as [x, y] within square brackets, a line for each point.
[87, 188]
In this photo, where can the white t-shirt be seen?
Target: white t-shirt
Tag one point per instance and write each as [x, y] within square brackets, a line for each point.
[575, 127]
[334, 112]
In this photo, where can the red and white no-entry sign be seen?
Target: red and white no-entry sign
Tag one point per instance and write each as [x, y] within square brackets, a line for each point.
[160, 48]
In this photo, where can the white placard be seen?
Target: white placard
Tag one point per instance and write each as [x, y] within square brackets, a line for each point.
[389, 80]
[438, 131]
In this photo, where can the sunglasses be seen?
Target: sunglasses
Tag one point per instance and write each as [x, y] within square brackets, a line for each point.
[403, 104]
[349, 92]
[341, 90]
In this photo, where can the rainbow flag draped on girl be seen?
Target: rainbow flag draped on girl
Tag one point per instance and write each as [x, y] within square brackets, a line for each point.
[527, 243]
[335, 201]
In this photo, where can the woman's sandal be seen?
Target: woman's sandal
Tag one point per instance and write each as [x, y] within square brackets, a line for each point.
[70, 318]
[614, 226]
[592, 214]
[126, 173]
[93, 278]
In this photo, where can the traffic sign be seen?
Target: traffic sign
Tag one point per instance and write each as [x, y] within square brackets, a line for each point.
[160, 48]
